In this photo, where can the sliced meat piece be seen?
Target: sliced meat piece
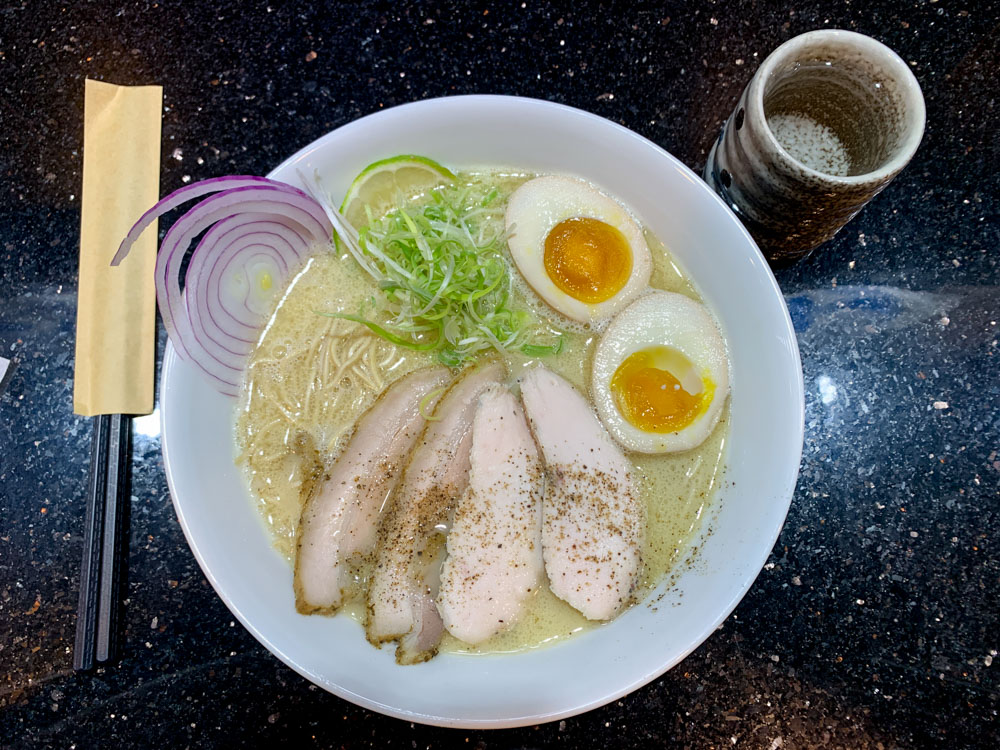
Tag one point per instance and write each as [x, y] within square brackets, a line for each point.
[592, 520]
[340, 516]
[404, 583]
[494, 546]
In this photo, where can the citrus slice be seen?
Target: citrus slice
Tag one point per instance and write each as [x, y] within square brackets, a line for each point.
[382, 184]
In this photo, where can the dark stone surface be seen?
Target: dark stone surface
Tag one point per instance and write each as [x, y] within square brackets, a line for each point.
[875, 622]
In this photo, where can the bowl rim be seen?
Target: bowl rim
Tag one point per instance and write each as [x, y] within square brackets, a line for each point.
[171, 359]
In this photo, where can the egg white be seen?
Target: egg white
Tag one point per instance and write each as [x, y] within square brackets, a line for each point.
[661, 319]
[536, 207]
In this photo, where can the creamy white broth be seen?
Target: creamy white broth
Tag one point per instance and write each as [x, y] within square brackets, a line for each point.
[310, 378]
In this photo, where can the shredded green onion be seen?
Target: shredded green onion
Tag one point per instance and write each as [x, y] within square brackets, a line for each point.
[441, 268]
[539, 350]
[425, 402]
[380, 331]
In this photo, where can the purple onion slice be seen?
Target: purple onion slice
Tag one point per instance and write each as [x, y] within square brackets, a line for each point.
[258, 232]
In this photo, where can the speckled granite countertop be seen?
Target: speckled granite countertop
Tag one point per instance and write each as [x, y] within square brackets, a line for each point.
[875, 622]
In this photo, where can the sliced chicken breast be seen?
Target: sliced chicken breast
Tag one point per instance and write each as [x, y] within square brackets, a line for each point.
[340, 517]
[494, 546]
[592, 520]
[404, 583]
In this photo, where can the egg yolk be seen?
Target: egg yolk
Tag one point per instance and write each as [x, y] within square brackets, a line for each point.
[587, 259]
[647, 387]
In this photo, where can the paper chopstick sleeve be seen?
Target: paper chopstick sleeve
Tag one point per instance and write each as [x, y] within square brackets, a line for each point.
[116, 316]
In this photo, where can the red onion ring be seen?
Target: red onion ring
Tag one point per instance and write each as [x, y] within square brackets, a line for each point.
[250, 222]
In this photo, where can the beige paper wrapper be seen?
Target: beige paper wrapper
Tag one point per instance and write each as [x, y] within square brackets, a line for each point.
[115, 314]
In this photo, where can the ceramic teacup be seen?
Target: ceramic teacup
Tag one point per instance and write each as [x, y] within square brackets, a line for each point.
[828, 120]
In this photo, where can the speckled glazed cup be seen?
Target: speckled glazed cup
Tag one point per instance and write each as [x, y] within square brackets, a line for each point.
[828, 120]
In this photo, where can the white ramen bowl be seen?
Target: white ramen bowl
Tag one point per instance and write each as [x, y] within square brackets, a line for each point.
[222, 524]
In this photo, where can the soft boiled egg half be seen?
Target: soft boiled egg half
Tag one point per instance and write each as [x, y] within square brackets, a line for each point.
[660, 374]
[577, 248]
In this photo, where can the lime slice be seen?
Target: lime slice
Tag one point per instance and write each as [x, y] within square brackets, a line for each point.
[382, 184]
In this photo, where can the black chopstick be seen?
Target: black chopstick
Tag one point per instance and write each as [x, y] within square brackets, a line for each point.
[115, 550]
[93, 533]
[104, 543]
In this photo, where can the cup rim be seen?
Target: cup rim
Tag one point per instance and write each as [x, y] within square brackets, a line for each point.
[913, 96]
